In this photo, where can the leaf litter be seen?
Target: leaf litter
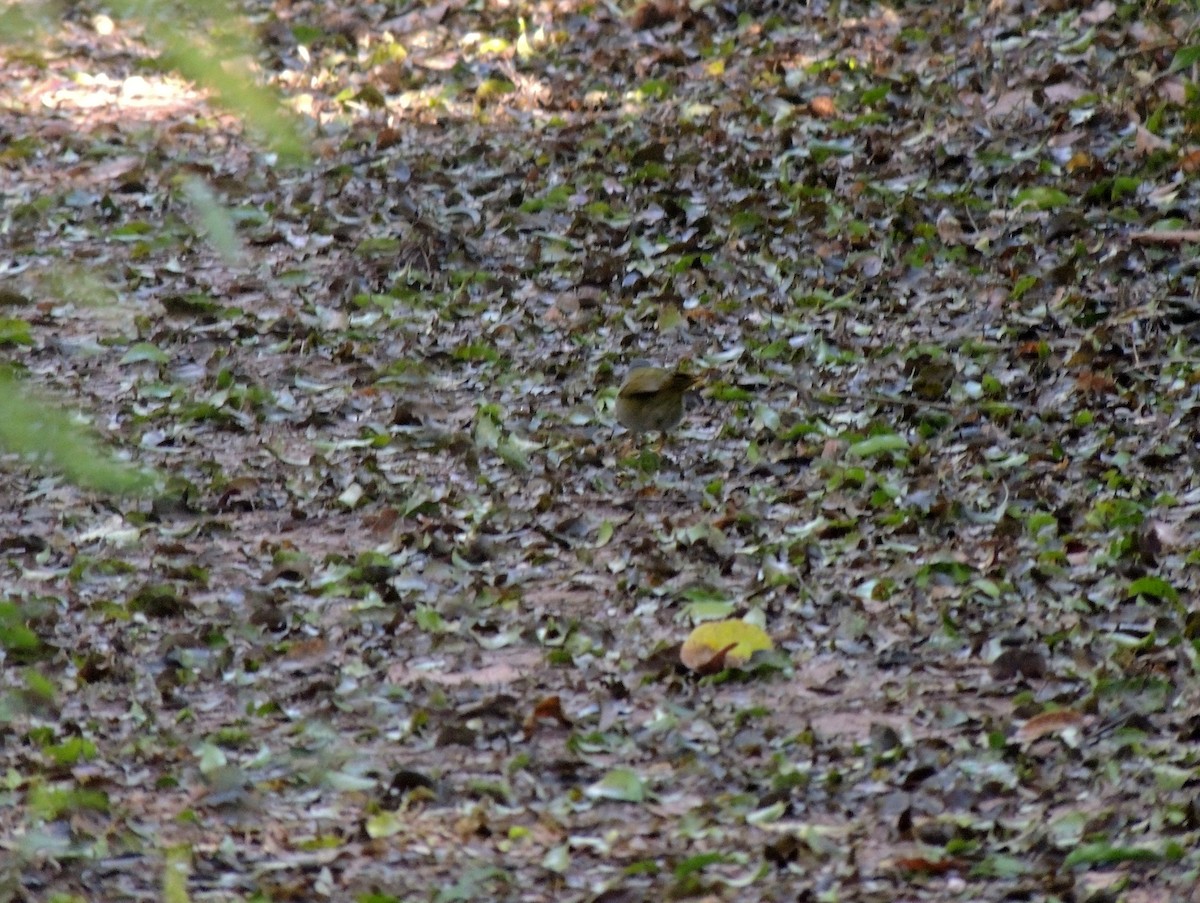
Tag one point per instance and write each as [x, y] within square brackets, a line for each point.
[405, 627]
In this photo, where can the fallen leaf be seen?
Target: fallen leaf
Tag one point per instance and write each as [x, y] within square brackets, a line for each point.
[823, 106]
[1101, 12]
[1095, 384]
[549, 709]
[1014, 663]
[1166, 236]
[653, 13]
[949, 229]
[713, 646]
[929, 866]
[1146, 142]
[1048, 723]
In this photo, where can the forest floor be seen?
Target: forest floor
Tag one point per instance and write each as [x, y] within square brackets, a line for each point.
[404, 621]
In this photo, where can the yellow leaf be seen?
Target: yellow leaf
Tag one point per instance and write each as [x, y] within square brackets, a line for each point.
[712, 646]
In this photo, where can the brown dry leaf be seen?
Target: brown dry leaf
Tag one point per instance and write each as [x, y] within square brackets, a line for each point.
[1048, 723]
[1101, 12]
[237, 488]
[1013, 663]
[832, 449]
[388, 137]
[110, 170]
[653, 13]
[1166, 236]
[509, 667]
[382, 521]
[949, 229]
[823, 106]
[1163, 535]
[1081, 161]
[1173, 90]
[1012, 102]
[549, 709]
[994, 299]
[1065, 92]
[310, 648]
[1091, 383]
[563, 311]
[422, 17]
[1077, 553]
[704, 660]
[870, 265]
[1147, 142]
[1031, 349]
[929, 866]
[700, 315]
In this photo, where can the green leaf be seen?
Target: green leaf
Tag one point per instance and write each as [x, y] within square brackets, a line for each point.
[52, 803]
[132, 231]
[1185, 58]
[144, 352]
[71, 751]
[726, 392]
[1106, 854]
[197, 305]
[620, 784]
[1041, 198]
[478, 352]
[944, 572]
[1155, 587]
[1115, 513]
[1080, 43]
[655, 89]
[1068, 830]
[15, 635]
[697, 612]
[823, 150]
[210, 757]
[873, 95]
[385, 824]
[1001, 866]
[491, 88]
[697, 863]
[15, 332]
[214, 219]
[1023, 285]
[557, 859]
[878, 445]
[430, 620]
[381, 246]
[605, 534]
[176, 869]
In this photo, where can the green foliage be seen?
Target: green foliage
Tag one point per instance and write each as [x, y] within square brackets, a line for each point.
[205, 41]
[217, 59]
[176, 869]
[15, 636]
[51, 803]
[49, 437]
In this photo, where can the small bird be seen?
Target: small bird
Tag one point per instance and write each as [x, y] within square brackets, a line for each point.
[651, 399]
